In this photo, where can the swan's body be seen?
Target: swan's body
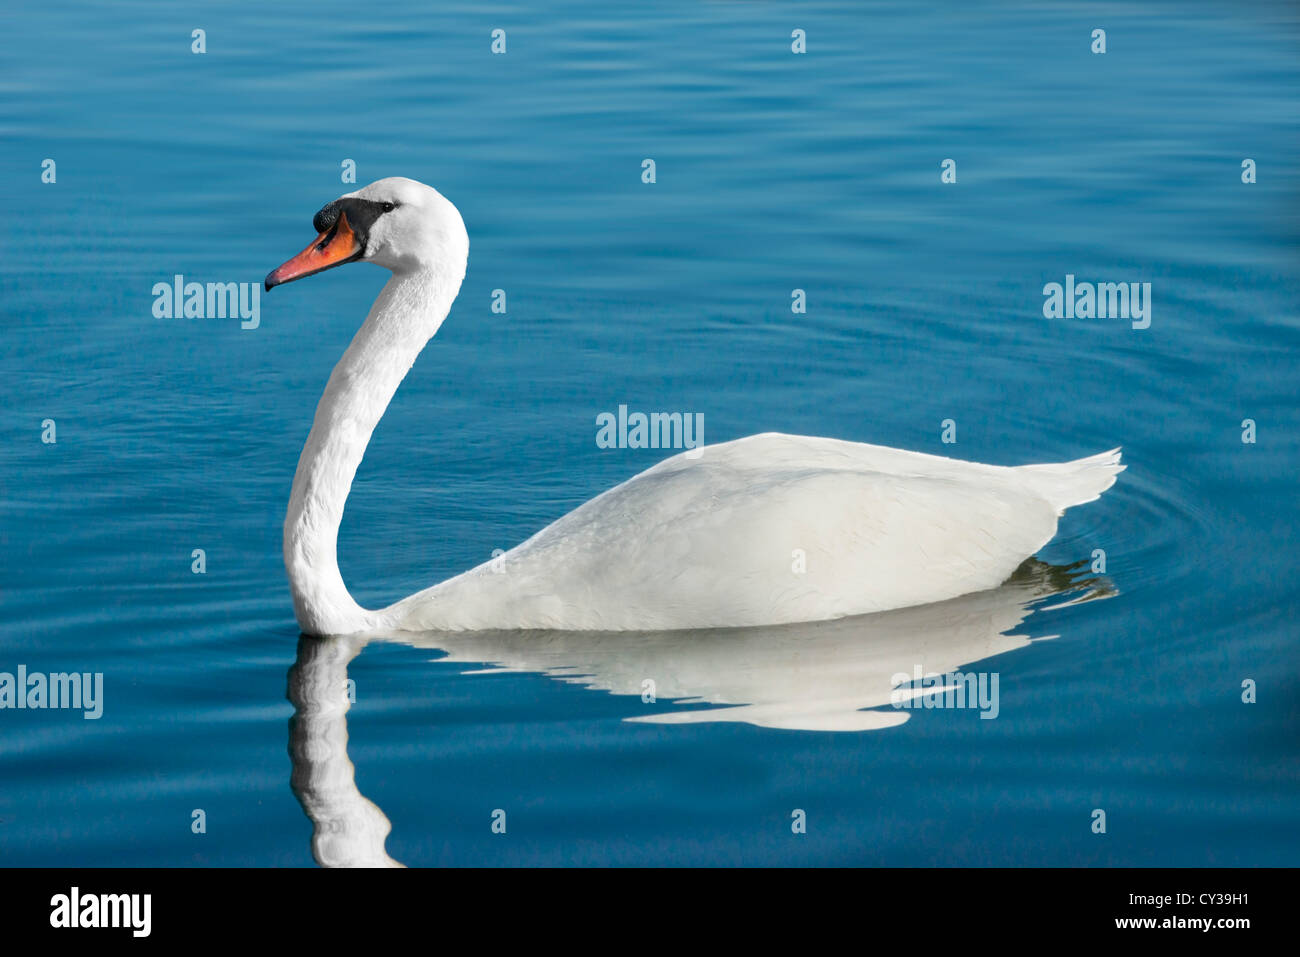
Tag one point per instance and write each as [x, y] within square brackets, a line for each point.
[759, 531]
[769, 529]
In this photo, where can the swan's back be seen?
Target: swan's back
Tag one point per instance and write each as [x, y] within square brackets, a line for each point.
[765, 530]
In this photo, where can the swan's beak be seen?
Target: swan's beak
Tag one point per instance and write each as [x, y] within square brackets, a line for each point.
[334, 247]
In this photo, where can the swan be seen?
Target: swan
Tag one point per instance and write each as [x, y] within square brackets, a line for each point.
[766, 530]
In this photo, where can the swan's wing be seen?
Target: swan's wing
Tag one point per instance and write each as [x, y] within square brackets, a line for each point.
[763, 530]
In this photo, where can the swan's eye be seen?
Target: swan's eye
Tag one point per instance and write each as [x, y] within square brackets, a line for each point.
[389, 207]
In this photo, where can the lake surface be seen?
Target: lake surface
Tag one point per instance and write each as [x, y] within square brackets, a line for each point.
[774, 171]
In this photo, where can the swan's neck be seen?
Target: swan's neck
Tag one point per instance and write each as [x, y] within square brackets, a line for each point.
[403, 318]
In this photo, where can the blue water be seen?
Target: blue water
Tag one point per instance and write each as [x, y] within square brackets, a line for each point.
[774, 171]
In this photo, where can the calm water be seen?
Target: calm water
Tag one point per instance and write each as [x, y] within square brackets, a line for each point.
[775, 171]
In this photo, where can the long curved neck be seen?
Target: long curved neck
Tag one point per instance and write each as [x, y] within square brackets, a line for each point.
[403, 318]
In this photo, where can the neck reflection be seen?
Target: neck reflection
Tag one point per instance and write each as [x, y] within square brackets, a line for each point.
[348, 830]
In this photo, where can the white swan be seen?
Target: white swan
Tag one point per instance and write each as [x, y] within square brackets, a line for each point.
[689, 543]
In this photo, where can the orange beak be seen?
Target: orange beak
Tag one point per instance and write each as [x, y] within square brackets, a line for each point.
[334, 247]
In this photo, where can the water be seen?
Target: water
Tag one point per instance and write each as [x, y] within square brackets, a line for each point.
[774, 172]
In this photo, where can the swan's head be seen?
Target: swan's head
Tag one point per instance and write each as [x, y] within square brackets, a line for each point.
[397, 223]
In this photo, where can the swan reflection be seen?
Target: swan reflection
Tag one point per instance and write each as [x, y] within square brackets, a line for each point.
[821, 676]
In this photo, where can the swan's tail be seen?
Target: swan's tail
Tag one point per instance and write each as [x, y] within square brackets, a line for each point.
[1065, 484]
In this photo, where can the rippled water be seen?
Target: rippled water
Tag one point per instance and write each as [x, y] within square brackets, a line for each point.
[774, 171]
